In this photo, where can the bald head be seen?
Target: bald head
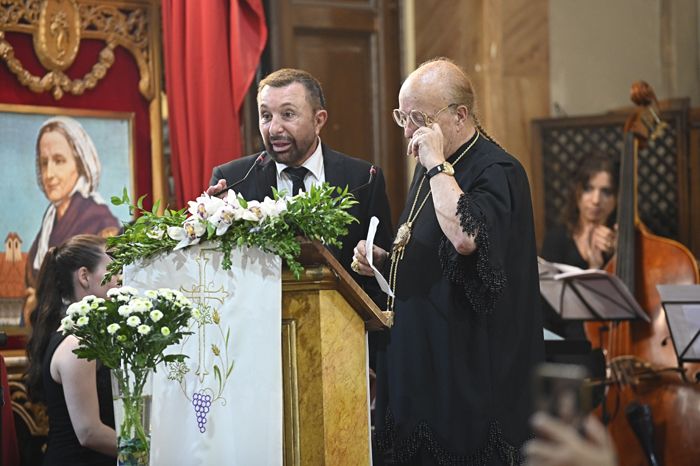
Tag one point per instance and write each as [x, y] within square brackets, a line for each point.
[434, 85]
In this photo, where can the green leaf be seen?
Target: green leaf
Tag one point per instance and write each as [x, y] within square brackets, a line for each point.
[156, 206]
[139, 203]
[217, 374]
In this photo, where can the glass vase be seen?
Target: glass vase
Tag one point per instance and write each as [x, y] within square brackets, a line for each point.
[131, 392]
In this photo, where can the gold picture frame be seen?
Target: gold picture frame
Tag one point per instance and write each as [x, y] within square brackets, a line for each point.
[26, 188]
[57, 28]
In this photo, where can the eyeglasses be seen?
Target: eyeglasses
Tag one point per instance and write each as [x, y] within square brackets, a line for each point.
[417, 117]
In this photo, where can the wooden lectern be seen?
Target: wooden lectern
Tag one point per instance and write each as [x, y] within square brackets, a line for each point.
[324, 362]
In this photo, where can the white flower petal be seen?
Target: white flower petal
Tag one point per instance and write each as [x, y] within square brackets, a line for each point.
[133, 321]
[177, 233]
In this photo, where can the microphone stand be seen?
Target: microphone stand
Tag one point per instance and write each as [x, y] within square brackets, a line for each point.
[258, 159]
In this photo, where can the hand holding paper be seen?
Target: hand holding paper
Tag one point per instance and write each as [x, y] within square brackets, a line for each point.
[373, 224]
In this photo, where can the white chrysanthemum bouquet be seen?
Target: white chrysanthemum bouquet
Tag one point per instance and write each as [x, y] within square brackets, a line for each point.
[129, 334]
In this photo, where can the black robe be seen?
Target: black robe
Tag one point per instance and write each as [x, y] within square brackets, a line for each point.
[454, 378]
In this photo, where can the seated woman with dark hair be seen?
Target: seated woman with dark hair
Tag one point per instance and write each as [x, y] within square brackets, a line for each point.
[77, 392]
[586, 236]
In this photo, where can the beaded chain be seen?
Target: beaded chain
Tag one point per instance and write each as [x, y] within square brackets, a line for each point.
[403, 235]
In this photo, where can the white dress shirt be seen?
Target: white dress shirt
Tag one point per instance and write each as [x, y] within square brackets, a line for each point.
[316, 174]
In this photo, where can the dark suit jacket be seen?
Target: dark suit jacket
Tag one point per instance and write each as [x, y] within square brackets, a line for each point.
[340, 170]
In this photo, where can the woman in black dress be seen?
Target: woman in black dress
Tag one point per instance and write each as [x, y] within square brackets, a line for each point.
[77, 392]
[586, 236]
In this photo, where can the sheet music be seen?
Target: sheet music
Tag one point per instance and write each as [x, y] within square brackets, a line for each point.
[590, 294]
[681, 304]
[579, 273]
[383, 284]
[559, 271]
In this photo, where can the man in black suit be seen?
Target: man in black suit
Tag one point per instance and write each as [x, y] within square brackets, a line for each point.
[291, 110]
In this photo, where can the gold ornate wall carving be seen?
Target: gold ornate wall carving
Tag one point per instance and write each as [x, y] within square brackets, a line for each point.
[58, 26]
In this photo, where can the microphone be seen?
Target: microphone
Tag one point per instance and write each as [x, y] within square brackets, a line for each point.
[258, 159]
[372, 172]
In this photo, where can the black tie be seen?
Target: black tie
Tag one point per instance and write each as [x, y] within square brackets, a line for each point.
[296, 174]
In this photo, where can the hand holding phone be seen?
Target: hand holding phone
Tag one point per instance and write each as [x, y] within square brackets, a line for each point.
[562, 391]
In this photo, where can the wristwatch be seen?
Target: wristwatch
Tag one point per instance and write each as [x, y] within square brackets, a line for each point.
[444, 167]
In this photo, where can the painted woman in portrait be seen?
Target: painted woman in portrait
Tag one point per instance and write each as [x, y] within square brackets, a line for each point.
[68, 172]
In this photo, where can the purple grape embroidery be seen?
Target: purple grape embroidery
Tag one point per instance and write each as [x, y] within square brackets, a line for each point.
[201, 402]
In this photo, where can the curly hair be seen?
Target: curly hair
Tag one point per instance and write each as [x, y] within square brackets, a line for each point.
[589, 166]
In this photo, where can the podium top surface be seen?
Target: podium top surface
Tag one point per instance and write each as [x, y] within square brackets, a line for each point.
[313, 255]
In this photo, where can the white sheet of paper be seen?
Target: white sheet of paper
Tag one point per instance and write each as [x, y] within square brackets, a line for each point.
[383, 284]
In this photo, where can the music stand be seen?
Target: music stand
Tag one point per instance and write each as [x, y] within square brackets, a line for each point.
[681, 304]
[577, 294]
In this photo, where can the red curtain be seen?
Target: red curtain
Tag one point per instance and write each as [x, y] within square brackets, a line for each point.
[211, 51]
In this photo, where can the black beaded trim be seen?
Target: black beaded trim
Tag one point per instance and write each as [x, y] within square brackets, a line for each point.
[402, 451]
[482, 283]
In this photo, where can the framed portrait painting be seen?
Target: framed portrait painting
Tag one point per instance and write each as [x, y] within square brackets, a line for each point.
[60, 167]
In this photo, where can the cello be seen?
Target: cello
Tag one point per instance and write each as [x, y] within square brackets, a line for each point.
[652, 406]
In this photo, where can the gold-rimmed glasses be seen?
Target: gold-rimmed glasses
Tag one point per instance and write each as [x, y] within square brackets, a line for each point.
[417, 117]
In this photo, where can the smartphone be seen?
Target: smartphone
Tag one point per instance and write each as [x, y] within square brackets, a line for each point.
[563, 391]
